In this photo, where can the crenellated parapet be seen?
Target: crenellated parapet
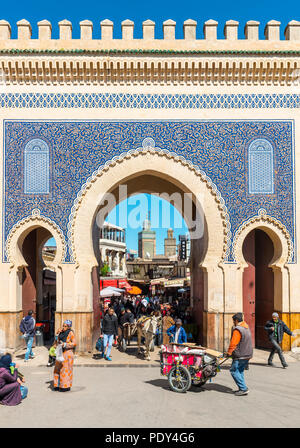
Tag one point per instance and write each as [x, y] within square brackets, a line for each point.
[166, 61]
[103, 36]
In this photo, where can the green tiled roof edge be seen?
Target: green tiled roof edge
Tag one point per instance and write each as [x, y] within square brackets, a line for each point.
[142, 51]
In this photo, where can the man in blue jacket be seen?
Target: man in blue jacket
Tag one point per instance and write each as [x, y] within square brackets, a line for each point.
[177, 333]
[27, 327]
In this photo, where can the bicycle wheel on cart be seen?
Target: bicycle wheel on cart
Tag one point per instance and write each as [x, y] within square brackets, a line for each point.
[180, 379]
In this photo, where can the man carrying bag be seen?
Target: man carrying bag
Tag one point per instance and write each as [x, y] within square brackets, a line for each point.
[110, 330]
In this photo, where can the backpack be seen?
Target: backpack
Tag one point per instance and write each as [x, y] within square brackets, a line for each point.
[99, 345]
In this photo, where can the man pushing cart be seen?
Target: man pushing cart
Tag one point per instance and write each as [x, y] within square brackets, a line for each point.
[186, 364]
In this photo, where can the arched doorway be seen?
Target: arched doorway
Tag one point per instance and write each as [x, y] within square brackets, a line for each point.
[157, 261]
[258, 284]
[173, 193]
[263, 250]
[38, 280]
[27, 265]
[152, 171]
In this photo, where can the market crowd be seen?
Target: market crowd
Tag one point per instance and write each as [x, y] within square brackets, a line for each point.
[117, 312]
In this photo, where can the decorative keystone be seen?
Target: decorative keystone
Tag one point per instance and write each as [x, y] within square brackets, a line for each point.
[127, 29]
[272, 30]
[189, 29]
[148, 30]
[45, 29]
[251, 30]
[169, 29]
[86, 30]
[24, 29]
[65, 29]
[107, 27]
[210, 30]
[231, 30]
[292, 30]
[5, 30]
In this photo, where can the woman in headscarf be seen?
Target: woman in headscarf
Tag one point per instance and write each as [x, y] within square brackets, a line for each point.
[10, 384]
[63, 371]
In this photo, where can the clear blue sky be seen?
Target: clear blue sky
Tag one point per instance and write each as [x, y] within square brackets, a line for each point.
[162, 215]
[157, 10]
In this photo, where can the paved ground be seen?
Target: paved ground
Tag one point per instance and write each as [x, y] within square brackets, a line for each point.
[118, 358]
[134, 396]
[129, 358]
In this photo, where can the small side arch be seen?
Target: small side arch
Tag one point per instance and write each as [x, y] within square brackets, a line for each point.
[19, 232]
[283, 246]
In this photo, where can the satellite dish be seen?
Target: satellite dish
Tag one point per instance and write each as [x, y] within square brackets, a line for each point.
[147, 255]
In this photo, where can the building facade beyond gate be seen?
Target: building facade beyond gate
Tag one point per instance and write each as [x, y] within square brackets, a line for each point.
[217, 118]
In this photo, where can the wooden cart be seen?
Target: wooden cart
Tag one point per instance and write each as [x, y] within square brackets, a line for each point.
[186, 365]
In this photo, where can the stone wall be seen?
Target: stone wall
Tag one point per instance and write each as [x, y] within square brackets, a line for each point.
[49, 86]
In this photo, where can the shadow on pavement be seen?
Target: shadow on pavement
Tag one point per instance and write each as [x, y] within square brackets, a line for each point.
[50, 384]
[73, 389]
[262, 364]
[215, 387]
[163, 384]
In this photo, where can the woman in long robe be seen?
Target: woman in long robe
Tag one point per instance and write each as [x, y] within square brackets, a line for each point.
[63, 371]
[167, 322]
[10, 387]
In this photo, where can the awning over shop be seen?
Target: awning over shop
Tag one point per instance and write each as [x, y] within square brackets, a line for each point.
[175, 283]
[158, 281]
[124, 284]
[134, 290]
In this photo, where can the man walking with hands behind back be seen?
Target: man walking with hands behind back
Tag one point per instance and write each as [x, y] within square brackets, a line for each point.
[241, 350]
[275, 329]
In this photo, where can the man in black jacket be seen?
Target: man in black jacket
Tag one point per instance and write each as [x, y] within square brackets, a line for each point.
[275, 329]
[110, 330]
[125, 317]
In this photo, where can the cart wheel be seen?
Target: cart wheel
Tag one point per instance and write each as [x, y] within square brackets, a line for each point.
[182, 382]
[152, 346]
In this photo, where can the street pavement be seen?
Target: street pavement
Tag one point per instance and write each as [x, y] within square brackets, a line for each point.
[138, 396]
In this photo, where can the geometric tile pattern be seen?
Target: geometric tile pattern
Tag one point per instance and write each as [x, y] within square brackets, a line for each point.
[149, 101]
[218, 147]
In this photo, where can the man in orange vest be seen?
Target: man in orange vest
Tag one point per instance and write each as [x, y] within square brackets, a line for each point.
[241, 350]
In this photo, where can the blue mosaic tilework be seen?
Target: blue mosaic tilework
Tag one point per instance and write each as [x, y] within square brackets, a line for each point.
[218, 147]
[149, 101]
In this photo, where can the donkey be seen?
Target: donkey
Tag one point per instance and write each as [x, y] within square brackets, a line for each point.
[146, 327]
